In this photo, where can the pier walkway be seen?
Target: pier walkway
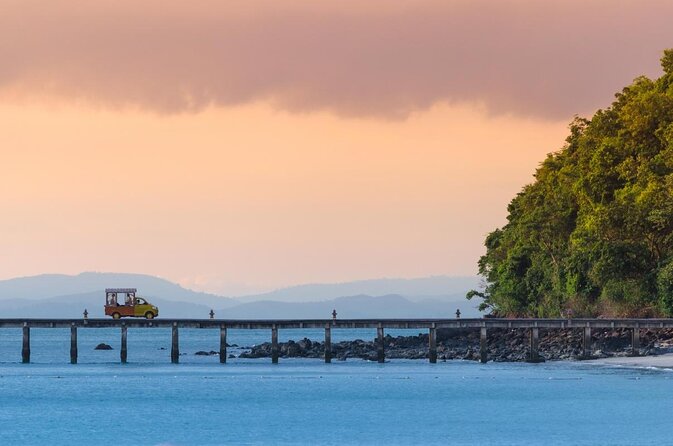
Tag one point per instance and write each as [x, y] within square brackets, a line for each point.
[483, 325]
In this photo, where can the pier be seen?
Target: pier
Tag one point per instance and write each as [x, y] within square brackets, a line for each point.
[431, 325]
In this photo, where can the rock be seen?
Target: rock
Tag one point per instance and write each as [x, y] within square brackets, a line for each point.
[204, 353]
[103, 346]
[293, 350]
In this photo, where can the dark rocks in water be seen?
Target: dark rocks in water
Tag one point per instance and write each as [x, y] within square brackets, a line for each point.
[204, 353]
[232, 356]
[103, 346]
[504, 345]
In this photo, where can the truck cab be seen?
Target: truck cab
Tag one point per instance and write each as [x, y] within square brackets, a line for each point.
[123, 302]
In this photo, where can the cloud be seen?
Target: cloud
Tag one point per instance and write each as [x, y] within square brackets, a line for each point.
[378, 59]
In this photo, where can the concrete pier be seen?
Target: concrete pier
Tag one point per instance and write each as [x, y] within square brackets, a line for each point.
[380, 344]
[586, 343]
[432, 344]
[25, 350]
[123, 347]
[274, 344]
[432, 325]
[175, 345]
[73, 344]
[223, 344]
[424, 324]
[483, 346]
[635, 341]
[533, 354]
[328, 343]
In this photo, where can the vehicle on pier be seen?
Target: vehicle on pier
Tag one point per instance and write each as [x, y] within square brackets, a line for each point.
[131, 306]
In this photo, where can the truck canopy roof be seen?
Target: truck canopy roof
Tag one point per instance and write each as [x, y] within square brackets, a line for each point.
[120, 290]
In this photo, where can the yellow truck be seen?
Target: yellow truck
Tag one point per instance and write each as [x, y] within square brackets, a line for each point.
[130, 306]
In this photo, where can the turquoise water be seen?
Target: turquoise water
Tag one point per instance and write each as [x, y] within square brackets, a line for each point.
[302, 401]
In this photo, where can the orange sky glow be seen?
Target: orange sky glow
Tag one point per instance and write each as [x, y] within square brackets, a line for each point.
[222, 152]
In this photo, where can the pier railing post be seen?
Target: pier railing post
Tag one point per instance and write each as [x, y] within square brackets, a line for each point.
[380, 344]
[274, 344]
[533, 355]
[483, 346]
[223, 344]
[432, 344]
[586, 343]
[73, 344]
[328, 343]
[635, 341]
[25, 350]
[175, 346]
[123, 350]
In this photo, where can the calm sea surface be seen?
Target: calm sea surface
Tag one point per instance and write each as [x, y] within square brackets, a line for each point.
[150, 401]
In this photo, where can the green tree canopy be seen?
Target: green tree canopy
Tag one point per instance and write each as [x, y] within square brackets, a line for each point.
[594, 232]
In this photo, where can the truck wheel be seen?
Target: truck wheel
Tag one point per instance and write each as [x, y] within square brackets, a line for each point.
[116, 315]
[149, 315]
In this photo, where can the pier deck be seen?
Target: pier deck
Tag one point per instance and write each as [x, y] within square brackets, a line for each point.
[533, 325]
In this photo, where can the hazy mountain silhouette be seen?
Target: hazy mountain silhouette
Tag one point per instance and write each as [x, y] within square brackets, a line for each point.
[63, 296]
[361, 306]
[72, 306]
[414, 289]
[45, 286]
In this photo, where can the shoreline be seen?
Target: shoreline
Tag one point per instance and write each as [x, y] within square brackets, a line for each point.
[660, 361]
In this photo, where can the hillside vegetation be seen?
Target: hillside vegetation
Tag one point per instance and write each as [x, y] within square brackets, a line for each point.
[594, 232]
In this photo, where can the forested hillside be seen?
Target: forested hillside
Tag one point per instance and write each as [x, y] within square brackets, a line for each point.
[594, 232]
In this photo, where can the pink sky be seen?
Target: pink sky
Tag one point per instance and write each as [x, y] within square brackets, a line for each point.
[242, 146]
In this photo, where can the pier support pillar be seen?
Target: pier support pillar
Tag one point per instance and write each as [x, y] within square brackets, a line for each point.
[533, 355]
[635, 341]
[432, 344]
[25, 350]
[73, 344]
[483, 346]
[380, 347]
[328, 343]
[175, 346]
[223, 344]
[123, 349]
[586, 343]
[274, 344]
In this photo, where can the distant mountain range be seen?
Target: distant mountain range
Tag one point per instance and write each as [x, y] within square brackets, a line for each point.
[360, 306]
[414, 289]
[65, 296]
[52, 285]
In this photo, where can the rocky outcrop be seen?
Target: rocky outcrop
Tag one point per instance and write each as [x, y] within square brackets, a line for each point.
[103, 346]
[504, 345]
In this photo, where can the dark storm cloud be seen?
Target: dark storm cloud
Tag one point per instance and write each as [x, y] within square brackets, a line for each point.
[379, 59]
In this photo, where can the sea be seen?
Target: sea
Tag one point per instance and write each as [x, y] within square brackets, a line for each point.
[150, 401]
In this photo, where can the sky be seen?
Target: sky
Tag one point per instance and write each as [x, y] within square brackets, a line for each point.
[236, 147]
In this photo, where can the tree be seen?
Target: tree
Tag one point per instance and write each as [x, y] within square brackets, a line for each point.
[594, 232]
